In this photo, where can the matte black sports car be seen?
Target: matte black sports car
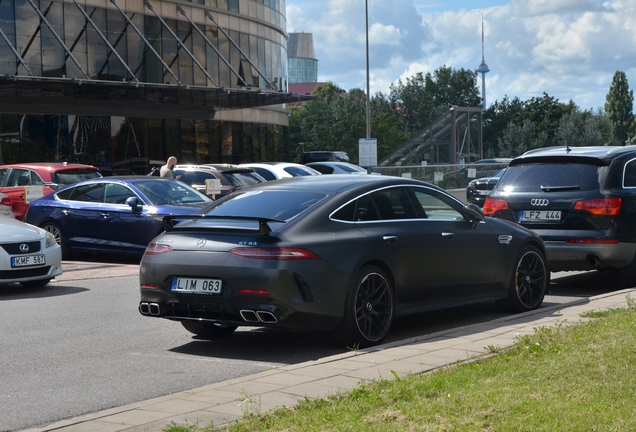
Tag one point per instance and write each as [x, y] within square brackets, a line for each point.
[340, 253]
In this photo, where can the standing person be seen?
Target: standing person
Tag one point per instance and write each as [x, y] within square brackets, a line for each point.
[166, 170]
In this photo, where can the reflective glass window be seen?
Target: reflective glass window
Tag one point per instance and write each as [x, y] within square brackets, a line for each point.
[27, 26]
[8, 63]
[154, 68]
[116, 36]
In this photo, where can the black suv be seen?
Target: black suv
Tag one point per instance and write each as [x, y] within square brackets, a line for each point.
[580, 200]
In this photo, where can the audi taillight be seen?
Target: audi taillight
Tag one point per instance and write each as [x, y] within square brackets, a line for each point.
[494, 205]
[600, 206]
[6, 201]
[275, 253]
[157, 249]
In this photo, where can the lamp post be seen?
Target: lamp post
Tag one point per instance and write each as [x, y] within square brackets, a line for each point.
[366, 13]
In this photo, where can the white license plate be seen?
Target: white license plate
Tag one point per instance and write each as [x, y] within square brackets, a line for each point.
[28, 260]
[196, 286]
[540, 215]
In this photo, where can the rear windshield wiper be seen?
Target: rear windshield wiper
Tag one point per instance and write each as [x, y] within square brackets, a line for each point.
[558, 188]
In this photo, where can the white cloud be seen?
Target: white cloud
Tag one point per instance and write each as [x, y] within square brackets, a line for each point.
[568, 49]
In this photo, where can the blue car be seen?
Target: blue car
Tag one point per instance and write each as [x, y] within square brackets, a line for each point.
[113, 214]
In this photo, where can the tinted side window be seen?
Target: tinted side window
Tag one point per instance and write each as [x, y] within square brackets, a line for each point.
[117, 194]
[538, 177]
[298, 171]
[86, 193]
[393, 204]
[629, 174]
[3, 173]
[19, 177]
[266, 174]
[36, 179]
[435, 206]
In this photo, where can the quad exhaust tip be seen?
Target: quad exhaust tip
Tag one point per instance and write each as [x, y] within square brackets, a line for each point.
[149, 309]
[258, 316]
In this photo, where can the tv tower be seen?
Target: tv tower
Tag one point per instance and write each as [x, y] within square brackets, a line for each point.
[483, 67]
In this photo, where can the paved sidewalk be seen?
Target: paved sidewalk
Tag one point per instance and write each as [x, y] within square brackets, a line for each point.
[225, 402]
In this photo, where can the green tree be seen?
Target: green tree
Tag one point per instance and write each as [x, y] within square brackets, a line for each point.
[519, 138]
[584, 128]
[619, 107]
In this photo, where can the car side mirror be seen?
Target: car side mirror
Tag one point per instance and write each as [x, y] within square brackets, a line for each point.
[475, 213]
[133, 202]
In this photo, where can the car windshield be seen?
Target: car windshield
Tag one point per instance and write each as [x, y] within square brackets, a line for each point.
[281, 205]
[71, 176]
[160, 192]
[542, 176]
[350, 168]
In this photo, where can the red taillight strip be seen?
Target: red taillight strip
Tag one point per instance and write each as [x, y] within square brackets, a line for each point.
[592, 241]
[157, 249]
[150, 286]
[254, 291]
[600, 206]
[275, 253]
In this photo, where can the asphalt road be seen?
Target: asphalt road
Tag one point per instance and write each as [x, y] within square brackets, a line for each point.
[79, 345]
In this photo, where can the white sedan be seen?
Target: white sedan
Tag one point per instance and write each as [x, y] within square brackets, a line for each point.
[28, 254]
[278, 170]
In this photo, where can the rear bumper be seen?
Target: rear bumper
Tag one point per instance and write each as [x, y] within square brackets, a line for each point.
[564, 256]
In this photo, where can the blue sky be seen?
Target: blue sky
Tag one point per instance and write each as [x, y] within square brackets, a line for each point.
[569, 49]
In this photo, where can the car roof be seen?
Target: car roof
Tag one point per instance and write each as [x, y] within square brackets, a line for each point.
[335, 182]
[600, 154]
[49, 166]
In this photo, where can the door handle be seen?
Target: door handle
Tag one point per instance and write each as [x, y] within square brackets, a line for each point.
[66, 212]
[448, 235]
[389, 238]
[103, 215]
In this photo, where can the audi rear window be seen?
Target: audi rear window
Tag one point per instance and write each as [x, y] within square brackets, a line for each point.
[551, 177]
[282, 205]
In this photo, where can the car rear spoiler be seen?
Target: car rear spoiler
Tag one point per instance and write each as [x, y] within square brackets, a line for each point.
[170, 223]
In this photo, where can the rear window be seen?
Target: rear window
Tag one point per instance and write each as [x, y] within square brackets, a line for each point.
[560, 176]
[74, 175]
[282, 205]
[243, 179]
[298, 171]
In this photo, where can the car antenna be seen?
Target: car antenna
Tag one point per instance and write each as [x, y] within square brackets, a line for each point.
[567, 148]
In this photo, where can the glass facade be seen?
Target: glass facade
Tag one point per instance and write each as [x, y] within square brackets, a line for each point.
[303, 70]
[132, 144]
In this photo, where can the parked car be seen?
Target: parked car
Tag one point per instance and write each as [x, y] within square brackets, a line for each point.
[278, 170]
[482, 168]
[336, 168]
[232, 179]
[344, 254]
[113, 214]
[14, 177]
[478, 189]
[580, 200]
[29, 255]
[5, 206]
[323, 156]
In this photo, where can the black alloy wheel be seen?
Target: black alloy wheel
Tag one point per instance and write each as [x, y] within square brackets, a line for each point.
[530, 280]
[369, 310]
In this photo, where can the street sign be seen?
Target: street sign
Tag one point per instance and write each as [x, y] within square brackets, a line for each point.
[368, 152]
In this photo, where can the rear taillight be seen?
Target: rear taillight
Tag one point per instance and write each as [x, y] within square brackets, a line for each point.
[275, 253]
[600, 206]
[5, 201]
[157, 249]
[592, 241]
[494, 205]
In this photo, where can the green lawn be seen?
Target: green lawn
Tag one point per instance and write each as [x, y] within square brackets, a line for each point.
[564, 378]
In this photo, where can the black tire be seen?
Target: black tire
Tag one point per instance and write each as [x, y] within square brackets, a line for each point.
[529, 282]
[54, 229]
[35, 283]
[369, 310]
[208, 329]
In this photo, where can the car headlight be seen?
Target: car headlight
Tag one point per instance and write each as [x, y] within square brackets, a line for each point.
[50, 240]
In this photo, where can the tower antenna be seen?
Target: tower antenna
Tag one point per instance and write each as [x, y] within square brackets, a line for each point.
[483, 67]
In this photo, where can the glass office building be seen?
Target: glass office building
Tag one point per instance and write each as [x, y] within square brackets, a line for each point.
[123, 84]
[303, 66]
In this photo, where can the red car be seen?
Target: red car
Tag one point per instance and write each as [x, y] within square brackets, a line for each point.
[49, 175]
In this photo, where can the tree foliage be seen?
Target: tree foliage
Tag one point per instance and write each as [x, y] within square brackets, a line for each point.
[619, 107]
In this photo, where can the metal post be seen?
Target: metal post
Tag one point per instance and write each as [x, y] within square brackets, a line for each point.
[366, 11]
